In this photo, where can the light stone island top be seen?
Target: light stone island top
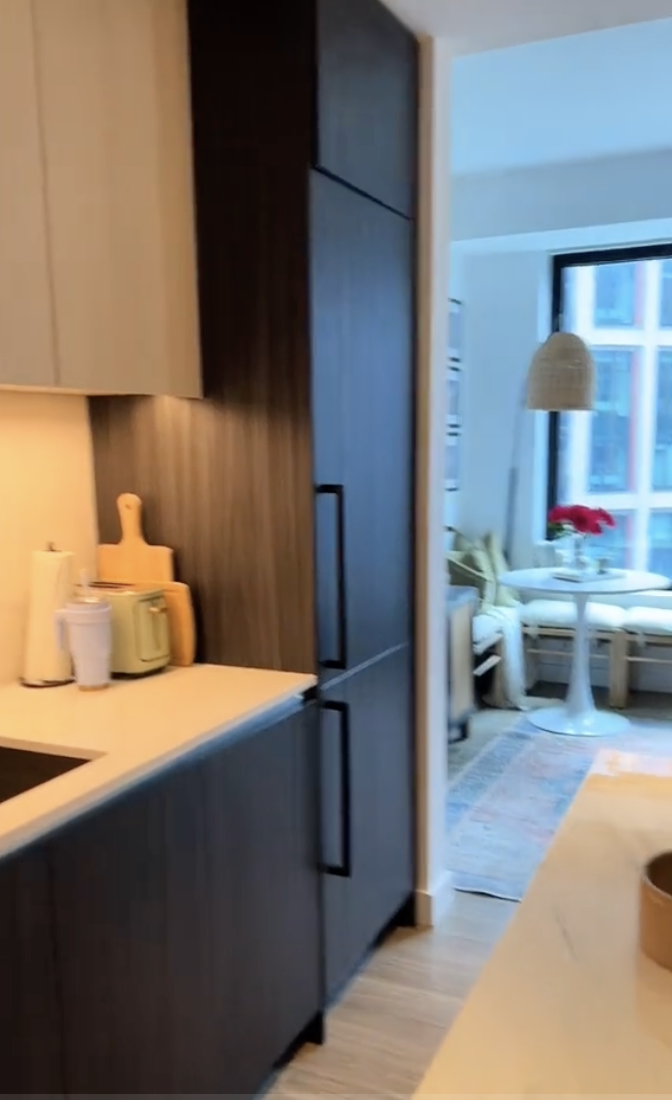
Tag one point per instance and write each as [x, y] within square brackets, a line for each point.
[129, 731]
[567, 1006]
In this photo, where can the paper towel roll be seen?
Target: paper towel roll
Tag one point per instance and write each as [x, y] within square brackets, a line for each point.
[52, 583]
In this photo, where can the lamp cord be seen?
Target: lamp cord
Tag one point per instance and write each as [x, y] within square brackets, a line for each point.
[514, 473]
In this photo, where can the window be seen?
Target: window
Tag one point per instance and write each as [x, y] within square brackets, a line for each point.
[611, 429]
[662, 458]
[615, 295]
[660, 543]
[666, 294]
[616, 543]
[619, 456]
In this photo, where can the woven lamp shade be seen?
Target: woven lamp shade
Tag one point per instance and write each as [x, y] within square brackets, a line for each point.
[562, 375]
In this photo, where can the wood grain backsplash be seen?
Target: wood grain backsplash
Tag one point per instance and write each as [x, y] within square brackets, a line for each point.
[228, 486]
[227, 481]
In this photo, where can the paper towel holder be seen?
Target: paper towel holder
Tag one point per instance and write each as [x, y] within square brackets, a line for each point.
[35, 681]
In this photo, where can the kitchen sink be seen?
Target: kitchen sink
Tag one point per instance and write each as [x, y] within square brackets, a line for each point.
[21, 770]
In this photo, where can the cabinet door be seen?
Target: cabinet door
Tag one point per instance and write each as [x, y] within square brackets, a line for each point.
[261, 801]
[114, 934]
[116, 115]
[188, 922]
[30, 1060]
[367, 800]
[363, 409]
[26, 327]
[367, 100]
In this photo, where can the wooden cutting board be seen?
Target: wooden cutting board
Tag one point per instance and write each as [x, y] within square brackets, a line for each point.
[133, 560]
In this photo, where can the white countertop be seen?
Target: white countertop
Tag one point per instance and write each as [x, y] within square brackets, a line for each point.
[129, 731]
[567, 1005]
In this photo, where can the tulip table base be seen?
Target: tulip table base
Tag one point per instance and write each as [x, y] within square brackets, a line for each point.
[579, 716]
[587, 723]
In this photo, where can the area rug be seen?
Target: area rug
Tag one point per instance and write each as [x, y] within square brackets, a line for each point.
[504, 808]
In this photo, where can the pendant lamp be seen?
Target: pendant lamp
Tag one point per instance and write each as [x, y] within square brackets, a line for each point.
[562, 375]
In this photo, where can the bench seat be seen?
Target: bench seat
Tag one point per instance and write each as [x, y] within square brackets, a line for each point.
[642, 627]
[562, 613]
[557, 619]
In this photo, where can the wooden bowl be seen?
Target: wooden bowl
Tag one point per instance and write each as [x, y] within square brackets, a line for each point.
[655, 910]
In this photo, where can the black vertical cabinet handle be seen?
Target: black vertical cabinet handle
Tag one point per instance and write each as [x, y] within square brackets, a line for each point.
[341, 660]
[343, 869]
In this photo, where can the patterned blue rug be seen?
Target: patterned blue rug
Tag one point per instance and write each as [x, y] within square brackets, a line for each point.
[505, 807]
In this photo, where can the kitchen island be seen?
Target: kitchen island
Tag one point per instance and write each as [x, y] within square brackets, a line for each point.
[567, 1005]
[160, 914]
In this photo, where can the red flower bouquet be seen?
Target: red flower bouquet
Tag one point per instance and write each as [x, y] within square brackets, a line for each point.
[578, 519]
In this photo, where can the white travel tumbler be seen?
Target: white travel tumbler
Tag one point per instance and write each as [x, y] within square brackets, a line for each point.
[84, 626]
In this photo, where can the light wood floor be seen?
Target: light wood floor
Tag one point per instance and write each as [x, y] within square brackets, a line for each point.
[385, 1031]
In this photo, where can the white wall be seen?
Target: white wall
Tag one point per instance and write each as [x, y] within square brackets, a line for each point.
[607, 191]
[507, 313]
[46, 495]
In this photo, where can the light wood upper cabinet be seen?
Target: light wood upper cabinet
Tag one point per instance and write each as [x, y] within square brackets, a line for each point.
[115, 185]
[26, 325]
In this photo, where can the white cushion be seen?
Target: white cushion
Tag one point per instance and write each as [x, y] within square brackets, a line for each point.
[648, 620]
[485, 626]
[562, 613]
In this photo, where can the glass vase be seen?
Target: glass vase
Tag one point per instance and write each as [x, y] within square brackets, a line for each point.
[580, 559]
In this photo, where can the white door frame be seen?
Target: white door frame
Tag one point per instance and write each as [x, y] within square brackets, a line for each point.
[434, 890]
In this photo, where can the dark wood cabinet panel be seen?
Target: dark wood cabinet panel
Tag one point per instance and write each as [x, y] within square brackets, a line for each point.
[252, 76]
[367, 66]
[377, 704]
[228, 481]
[112, 933]
[30, 1021]
[188, 922]
[261, 804]
[363, 410]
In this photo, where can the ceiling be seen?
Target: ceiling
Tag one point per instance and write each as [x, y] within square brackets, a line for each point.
[475, 25]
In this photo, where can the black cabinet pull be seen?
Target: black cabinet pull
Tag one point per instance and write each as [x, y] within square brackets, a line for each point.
[342, 869]
[341, 660]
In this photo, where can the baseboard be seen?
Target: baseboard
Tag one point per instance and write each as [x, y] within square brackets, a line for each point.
[432, 905]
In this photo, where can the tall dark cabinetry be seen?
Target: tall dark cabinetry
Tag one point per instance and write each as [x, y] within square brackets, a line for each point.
[288, 492]
[367, 100]
[362, 385]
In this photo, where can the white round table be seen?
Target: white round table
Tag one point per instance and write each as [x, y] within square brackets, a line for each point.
[578, 717]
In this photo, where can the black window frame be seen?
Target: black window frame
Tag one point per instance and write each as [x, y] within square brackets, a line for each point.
[559, 263]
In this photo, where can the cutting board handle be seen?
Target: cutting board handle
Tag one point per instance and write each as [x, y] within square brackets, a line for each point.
[130, 517]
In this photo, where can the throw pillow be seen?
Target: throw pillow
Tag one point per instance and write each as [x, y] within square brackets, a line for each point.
[505, 596]
[460, 542]
[479, 563]
[465, 575]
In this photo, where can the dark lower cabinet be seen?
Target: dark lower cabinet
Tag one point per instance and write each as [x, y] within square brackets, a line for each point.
[171, 942]
[30, 1055]
[367, 765]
